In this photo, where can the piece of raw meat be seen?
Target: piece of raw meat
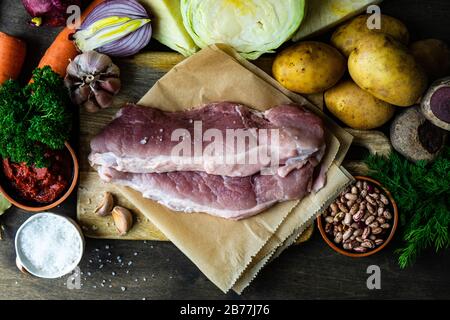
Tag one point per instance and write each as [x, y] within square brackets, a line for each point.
[139, 140]
[227, 197]
[136, 150]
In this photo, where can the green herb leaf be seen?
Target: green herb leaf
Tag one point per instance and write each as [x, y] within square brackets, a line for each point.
[34, 118]
[422, 193]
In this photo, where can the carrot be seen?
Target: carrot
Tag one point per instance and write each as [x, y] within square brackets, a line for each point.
[62, 49]
[12, 56]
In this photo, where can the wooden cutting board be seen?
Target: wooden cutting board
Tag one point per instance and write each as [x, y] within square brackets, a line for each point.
[138, 74]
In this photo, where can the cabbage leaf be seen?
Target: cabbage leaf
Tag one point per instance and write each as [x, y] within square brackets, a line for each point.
[168, 27]
[252, 27]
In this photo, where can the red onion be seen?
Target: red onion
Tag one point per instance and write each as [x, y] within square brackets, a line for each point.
[129, 44]
[49, 12]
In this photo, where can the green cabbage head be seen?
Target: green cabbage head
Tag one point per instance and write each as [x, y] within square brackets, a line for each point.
[252, 27]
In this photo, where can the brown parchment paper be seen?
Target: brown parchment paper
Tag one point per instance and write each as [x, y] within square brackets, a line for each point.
[223, 249]
[294, 225]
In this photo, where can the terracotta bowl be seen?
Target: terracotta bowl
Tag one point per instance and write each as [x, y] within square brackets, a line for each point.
[340, 250]
[37, 208]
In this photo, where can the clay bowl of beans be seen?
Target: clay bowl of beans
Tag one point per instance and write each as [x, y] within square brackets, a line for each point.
[361, 221]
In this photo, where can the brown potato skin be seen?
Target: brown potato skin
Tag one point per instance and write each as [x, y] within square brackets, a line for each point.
[385, 68]
[346, 37]
[357, 108]
[309, 67]
[434, 56]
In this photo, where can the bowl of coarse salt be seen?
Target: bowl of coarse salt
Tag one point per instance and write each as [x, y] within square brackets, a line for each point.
[49, 245]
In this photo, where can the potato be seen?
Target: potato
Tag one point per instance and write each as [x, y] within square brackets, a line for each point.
[309, 67]
[347, 36]
[385, 68]
[434, 56]
[357, 108]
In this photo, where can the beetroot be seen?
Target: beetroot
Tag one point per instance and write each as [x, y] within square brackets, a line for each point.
[440, 104]
[435, 104]
[51, 13]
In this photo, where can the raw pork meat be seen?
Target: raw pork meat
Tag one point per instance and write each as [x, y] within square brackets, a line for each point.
[135, 150]
[139, 140]
[227, 197]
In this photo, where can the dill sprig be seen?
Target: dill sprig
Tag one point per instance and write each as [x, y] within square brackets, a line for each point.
[422, 193]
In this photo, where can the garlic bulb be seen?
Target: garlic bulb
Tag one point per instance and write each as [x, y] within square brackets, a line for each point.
[93, 80]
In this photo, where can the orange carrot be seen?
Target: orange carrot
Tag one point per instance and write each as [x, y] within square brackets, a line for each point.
[62, 49]
[12, 56]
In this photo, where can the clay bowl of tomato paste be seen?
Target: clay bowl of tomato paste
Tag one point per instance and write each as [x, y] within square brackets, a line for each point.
[40, 189]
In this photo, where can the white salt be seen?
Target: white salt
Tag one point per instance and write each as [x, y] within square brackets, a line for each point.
[50, 245]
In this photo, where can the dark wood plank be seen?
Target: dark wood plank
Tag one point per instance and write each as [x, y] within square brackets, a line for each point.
[310, 271]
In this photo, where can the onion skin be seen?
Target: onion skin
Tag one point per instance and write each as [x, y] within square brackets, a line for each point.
[129, 44]
[50, 13]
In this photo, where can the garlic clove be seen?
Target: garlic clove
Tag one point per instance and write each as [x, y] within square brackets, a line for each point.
[104, 99]
[106, 205]
[81, 95]
[91, 106]
[111, 85]
[123, 219]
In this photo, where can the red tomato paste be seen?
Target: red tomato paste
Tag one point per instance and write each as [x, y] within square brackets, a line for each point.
[43, 185]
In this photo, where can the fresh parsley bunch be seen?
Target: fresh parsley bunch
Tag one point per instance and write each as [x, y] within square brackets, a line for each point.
[34, 118]
[422, 193]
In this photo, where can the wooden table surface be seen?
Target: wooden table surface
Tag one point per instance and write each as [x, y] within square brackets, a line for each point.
[155, 270]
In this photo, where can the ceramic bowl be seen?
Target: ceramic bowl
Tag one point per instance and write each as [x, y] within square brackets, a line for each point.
[27, 267]
[394, 210]
[9, 194]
